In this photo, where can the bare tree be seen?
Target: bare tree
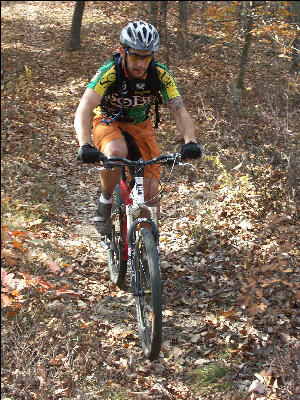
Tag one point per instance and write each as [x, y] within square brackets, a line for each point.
[74, 43]
[183, 15]
[239, 84]
[164, 8]
[154, 12]
[295, 65]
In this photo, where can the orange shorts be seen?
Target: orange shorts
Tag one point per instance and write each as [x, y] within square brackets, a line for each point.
[142, 133]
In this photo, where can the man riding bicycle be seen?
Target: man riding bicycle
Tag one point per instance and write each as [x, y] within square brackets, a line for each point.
[121, 95]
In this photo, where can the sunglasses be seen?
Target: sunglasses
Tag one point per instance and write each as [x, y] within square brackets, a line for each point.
[136, 57]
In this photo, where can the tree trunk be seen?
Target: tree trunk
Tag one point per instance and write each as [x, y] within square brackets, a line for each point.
[295, 64]
[183, 13]
[74, 43]
[164, 8]
[154, 12]
[239, 85]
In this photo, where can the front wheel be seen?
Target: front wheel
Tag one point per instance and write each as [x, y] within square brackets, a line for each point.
[148, 293]
[117, 255]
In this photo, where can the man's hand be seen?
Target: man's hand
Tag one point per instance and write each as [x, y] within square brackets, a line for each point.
[89, 154]
[191, 150]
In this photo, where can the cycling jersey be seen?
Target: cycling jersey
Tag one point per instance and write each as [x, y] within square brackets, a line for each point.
[138, 94]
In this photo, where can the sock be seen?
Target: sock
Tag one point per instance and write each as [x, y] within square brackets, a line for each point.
[105, 201]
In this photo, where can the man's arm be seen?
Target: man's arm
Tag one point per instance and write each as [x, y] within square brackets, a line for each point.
[182, 118]
[82, 121]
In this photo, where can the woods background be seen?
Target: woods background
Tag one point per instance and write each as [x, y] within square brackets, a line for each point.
[229, 228]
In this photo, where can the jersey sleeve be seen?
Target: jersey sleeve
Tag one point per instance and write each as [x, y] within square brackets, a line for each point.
[168, 86]
[104, 77]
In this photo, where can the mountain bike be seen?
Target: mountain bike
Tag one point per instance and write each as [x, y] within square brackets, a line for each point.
[136, 239]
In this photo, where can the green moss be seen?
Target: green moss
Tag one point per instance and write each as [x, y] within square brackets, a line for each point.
[210, 378]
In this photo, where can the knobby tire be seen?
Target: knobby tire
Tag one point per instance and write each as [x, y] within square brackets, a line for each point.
[149, 293]
[117, 266]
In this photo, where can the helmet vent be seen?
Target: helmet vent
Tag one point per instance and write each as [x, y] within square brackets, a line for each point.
[140, 37]
[130, 34]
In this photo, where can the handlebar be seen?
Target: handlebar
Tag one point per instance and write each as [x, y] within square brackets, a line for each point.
[169, 159]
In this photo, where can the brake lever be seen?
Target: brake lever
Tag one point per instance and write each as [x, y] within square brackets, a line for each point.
[101, 168]
[188, 164]
[95, 168]
[104, 167]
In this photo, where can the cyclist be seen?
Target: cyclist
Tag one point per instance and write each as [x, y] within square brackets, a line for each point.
[121, 95]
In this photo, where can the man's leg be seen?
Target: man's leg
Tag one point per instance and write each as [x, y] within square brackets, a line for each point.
[151, 190]
[109, 179]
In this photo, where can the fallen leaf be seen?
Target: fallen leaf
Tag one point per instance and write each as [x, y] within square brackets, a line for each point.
[236, 350]
[44, 284]
[10, 256]
[81, 304]
[57, 360]
[6, 301]
[18, 245]
[169, 313]
[6, 279]
[188, 301]
[66, 291]
[257, 386]
[18, 233]
[53, 266]
[35, 223]
[12, 313]
[65, 392]
[228, 314]
[195, 338]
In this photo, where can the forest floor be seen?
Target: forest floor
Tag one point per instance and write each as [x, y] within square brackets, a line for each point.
[229, 228]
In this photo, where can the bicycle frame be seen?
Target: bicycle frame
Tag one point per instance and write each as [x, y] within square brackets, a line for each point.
[134, 202]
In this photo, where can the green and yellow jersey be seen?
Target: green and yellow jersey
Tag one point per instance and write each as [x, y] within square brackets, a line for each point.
[138, 94]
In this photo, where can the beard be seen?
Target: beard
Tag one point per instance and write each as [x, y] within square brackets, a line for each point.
[137, 72]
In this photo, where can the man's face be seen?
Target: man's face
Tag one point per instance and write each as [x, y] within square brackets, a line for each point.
[136, 67]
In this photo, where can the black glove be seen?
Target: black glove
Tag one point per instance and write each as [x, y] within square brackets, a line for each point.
[88, 154]
[191, 150]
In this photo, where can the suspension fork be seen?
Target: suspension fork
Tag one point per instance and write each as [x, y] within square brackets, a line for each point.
[132, 248]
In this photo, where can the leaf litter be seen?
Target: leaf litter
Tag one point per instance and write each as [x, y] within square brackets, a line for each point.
[229, 264]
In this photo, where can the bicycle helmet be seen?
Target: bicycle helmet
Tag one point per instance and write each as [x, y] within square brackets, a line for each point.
[140, 35]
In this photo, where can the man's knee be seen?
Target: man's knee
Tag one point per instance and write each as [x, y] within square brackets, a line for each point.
[151, 189]
[116, 148]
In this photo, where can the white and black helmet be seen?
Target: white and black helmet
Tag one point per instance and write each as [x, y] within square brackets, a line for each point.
[140, 35]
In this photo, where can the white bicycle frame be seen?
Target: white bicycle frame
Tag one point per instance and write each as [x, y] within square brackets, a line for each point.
[138, 199]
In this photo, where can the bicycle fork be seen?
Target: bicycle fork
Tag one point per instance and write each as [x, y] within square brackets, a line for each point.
[132, 237]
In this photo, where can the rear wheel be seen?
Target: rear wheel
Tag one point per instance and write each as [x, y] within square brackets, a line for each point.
[148, 293]
[117, 259]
